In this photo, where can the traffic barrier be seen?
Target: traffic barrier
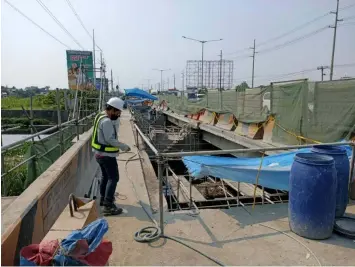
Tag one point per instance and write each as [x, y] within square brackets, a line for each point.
[242, 128]
[30, 217]
[255, 131]
[268, 128]
[251, 130]
[207, 117]
[163, 105]
[226, 121]
[195, 116]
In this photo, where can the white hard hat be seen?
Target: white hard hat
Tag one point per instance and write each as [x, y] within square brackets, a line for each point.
[116, 102]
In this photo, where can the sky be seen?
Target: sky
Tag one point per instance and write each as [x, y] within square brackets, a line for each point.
[137, 36]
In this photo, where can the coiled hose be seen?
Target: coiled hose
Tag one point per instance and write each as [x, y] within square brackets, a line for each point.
[152, 233]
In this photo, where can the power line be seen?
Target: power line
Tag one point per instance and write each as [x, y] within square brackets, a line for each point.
[58, 22]
[81, 22]
[346, 7]
[294, 29]
[346, 24]
[277, 47]
[284, 34]
[349, 18]
[260, 77]
[21, 13]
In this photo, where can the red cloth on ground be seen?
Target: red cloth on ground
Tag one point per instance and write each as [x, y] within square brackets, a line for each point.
[41, 254]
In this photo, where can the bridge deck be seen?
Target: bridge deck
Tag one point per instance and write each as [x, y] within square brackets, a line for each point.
[236, 236]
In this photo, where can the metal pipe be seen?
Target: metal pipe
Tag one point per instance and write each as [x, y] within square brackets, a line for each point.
[160, 177]
[59, 120]
[146, 140]
[7, 147]
[230, 151]
[190, 181]
[10, 129]
[50, 150]
[18, 165]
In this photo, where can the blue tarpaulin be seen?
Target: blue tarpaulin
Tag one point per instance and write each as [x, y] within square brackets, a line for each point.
[135, 101]
[136, 92]
[84, 247]
[275, 170]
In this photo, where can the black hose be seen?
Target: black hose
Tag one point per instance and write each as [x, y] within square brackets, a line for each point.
[152, 233]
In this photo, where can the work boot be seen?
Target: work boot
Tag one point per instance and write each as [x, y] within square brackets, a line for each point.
[112, 209]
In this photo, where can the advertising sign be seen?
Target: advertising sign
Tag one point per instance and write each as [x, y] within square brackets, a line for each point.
[98, 83]
[80, 69]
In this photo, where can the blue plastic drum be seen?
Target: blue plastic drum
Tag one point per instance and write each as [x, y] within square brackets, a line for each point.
[312, 196]
[342, 167]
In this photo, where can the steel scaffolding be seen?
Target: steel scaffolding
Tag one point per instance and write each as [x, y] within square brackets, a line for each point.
[213, 75]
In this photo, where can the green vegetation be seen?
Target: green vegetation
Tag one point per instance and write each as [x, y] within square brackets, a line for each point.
[48, 101]
[13, 182]
[242, 87]
[24, 122]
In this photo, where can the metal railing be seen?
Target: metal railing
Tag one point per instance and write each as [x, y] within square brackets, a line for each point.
[64, 133]
[71, 129]
[163, 168]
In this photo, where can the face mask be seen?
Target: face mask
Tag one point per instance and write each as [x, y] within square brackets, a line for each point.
[114, 117]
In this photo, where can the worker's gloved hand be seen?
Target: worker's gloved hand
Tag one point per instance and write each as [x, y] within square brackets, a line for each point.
[125, 148]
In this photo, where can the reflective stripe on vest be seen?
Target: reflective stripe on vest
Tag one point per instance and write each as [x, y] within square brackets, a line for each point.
[94, 140]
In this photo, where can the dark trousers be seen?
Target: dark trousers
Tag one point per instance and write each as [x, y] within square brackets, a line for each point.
[109, 180]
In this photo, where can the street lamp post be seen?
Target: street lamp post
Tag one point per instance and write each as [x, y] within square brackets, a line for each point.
[161, 76]
[202, 43]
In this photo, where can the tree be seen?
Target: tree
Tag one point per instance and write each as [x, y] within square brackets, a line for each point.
[241, 87]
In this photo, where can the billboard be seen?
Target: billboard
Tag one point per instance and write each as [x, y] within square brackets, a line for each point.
[98, 83]
[80, 69]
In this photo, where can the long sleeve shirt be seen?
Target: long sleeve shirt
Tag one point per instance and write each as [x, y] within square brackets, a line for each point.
[107, 135]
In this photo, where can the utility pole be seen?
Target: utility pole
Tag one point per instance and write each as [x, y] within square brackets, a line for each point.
[334, 39]
[202, 42]
[174, 81]
[220, 72]
[93, 54]
[252, 73]
[101, 82]
[220, 81]
[111, 82]
[322, 68]
[161, 77]
[183, 80]
[168, 84]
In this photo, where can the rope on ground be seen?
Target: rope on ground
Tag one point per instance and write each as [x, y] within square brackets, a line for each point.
[152, 233]
[298, 241]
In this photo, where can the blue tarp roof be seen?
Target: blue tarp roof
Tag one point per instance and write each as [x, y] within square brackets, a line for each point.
[135, 101]
[139, 93]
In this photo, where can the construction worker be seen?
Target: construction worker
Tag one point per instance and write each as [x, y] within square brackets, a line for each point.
[106, 147]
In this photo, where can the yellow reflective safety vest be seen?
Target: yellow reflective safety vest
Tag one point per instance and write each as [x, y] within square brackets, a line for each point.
[94, 140]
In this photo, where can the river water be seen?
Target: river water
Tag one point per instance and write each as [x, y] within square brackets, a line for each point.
[11, 138]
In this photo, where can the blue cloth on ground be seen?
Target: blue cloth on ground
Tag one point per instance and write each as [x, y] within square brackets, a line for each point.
[92, 233]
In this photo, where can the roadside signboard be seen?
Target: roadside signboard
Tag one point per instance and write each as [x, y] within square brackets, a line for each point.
[80, 70]
[98, 83]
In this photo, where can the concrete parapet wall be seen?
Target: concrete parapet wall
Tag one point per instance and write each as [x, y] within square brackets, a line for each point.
[29, 218]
